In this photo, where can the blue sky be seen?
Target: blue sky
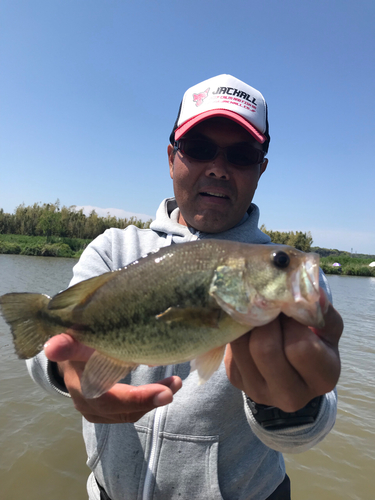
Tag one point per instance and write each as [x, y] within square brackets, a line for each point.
[90, 89]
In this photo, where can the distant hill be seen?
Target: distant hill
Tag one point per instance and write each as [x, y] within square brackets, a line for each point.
[326, 252]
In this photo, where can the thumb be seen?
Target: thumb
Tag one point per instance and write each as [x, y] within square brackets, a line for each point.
[63, 348]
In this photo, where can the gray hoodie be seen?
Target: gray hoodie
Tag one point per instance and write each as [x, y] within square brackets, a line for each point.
[206, 444]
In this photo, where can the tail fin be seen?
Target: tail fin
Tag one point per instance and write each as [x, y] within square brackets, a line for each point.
[24, 314]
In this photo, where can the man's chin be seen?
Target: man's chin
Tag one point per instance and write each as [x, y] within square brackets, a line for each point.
[211, 223]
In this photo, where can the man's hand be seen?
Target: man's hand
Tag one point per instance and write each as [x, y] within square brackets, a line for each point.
[122, 403]
[286, 364]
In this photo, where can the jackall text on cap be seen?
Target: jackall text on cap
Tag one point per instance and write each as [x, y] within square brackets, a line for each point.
[226, 96]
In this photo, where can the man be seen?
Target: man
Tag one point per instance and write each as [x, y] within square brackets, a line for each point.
[275, 391]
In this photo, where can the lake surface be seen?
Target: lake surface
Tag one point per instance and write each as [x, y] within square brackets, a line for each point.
[42, 452]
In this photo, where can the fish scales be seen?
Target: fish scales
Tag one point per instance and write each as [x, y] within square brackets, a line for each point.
[126, 323]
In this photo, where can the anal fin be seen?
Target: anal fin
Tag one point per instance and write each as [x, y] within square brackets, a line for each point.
[101, 373]
[207, 363]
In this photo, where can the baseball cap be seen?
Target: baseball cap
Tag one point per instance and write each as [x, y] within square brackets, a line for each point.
[226, 96]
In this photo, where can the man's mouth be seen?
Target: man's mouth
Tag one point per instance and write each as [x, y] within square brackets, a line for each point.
[213, 194]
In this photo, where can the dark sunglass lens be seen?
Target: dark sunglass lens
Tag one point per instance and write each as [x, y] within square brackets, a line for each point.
[199, 150]
[243, 155]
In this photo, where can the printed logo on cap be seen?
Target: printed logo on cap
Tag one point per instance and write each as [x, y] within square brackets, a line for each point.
[225, 96]
[199, 98]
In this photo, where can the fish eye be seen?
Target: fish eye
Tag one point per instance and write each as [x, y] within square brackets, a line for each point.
[281, 259]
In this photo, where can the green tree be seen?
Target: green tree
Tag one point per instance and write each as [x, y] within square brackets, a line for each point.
[50, 221]
[301, 241]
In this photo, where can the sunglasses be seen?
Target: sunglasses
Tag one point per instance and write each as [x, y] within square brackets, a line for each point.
[241, 154]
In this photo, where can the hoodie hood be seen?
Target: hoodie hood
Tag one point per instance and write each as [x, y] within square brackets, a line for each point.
[245, 231]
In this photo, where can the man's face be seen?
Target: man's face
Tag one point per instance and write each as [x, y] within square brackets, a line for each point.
[213, 196]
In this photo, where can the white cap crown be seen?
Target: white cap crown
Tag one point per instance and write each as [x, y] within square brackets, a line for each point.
[224, 95]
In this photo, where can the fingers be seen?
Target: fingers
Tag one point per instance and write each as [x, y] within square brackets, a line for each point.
[282, 382]
[314, 353]
[266, 374]
[145, 397]
[125, 403]
[286, 364]
[333, 323]
[122, 403]
[240, 365]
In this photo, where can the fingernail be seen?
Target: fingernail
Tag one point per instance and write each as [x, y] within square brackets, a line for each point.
[162, 399]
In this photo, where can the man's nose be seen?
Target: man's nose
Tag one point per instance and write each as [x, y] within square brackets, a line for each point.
[218, 167]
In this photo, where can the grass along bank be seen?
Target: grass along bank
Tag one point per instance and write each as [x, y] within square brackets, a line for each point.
[349, 266]
[55, 246]
[42, 246]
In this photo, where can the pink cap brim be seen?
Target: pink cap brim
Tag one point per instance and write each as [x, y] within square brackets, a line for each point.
[185, 127]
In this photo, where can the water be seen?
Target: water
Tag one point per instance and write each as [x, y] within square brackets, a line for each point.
[342, 466]
[42, 451]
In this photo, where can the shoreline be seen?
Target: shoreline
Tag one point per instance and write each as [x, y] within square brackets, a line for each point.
[41, 246]
[349, 266]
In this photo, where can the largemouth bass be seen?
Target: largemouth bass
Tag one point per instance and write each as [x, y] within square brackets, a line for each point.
[182, 303]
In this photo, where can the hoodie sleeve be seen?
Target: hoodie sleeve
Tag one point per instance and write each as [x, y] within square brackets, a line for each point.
[299, 438]
[42, 371]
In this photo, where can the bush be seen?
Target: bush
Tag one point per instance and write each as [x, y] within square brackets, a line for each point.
[35, 250]
[351, 271]
[329, 269]
[9, 248]
[56, 250]
[76, 244]
[38, 246]
[364, 271]
[65, 251]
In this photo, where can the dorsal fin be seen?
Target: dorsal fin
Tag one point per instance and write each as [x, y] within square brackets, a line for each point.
[81, 292]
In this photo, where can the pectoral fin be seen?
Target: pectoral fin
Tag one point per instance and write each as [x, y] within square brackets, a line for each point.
[101, 373]
[194, 316]
[207, 363]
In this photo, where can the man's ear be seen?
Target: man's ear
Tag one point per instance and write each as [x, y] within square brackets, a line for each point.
[263, 167]
[171, 156]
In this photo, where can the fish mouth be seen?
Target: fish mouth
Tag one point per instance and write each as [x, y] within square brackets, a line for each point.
[305, 280]
[305, 289]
